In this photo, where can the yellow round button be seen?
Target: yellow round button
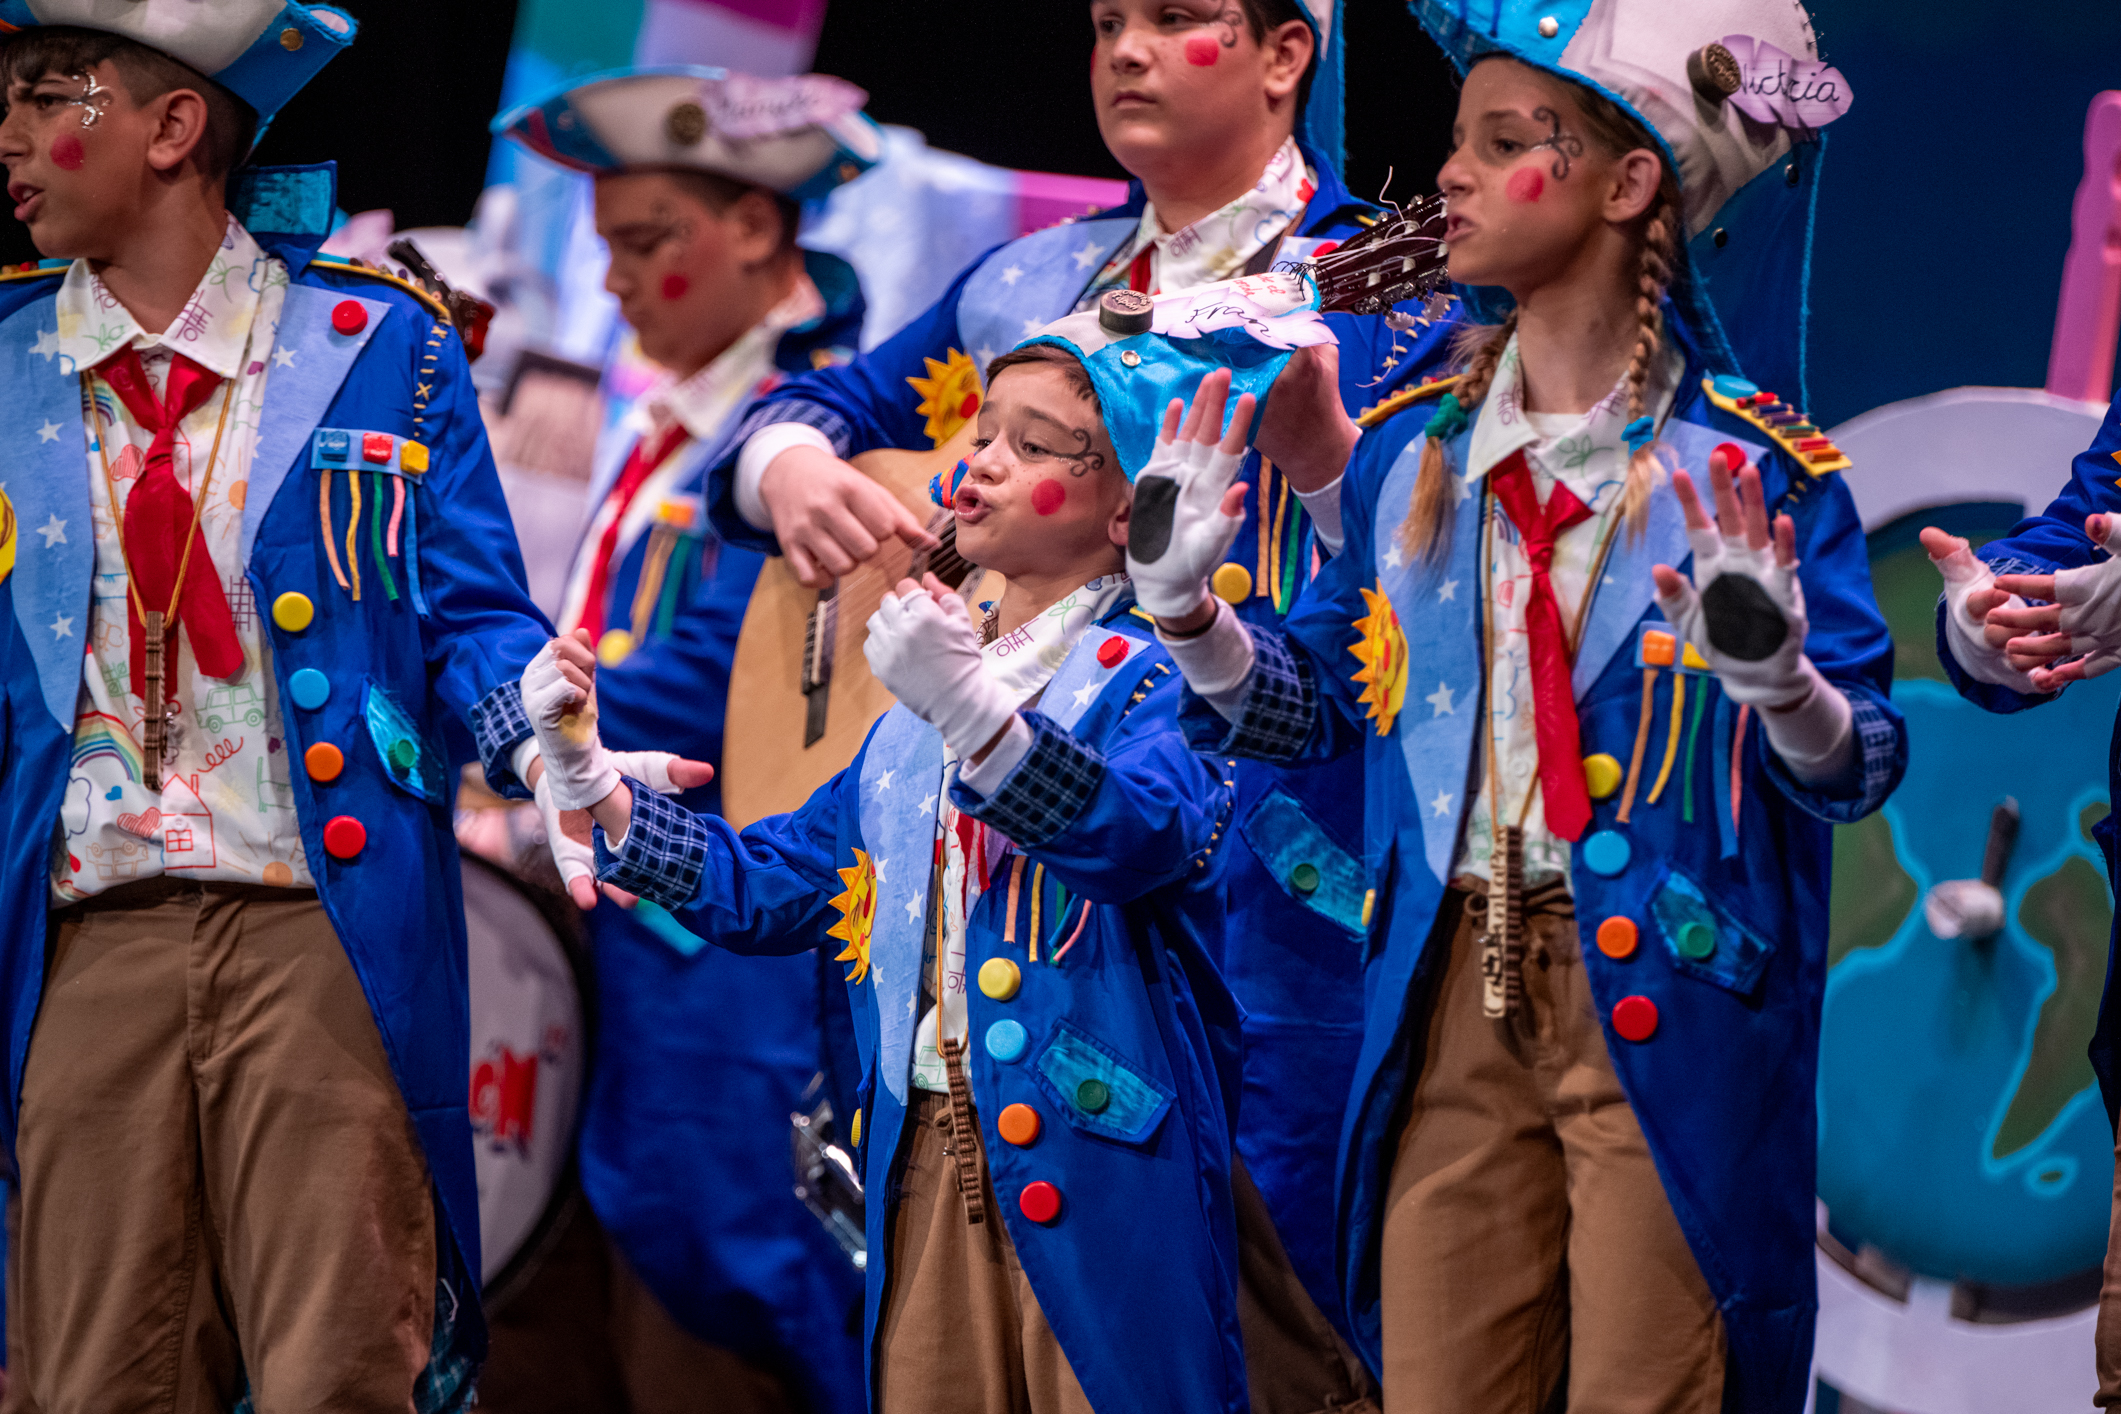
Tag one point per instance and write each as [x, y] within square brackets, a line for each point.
[854, 1127]
[1601, 775]
[1232, 584]
[999, 978]
[292, 611]
[615, 647]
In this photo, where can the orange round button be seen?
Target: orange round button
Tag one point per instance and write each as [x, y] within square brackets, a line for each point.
[1617, 937]
[1019, 1125]
[1635, 1018]
[1040, 1202]
[344, 836]
[324, 761]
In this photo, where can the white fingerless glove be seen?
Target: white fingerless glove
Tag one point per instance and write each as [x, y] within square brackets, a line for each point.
[2090, 596]
[930, 658]
[576, 763]
[574, 859]
[1964, 573]
[1178, 533]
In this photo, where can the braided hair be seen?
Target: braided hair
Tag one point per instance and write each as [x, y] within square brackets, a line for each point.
[1425, 533]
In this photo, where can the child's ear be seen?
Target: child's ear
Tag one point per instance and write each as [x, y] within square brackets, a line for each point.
[180, 126]
[1122, 521]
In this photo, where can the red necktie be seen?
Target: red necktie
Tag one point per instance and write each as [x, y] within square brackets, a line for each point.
[647, 454]
[1561, 783]
[159, 518]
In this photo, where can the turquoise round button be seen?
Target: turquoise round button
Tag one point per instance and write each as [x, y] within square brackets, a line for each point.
[1697, 940]
[1606, 853]
[309, 688]
[1730, 385]
[403, 755]
[1006, 1041]
[1092, 1096]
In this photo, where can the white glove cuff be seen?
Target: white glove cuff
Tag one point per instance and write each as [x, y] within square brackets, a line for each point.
[1816, 738]
[583, 783]
[1216, 663]
[1324, 507]
[1968, 645]
[986, 776]
[519, 759]
[758, 454]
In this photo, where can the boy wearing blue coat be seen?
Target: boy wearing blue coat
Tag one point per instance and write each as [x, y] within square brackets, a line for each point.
[1047, 1149]
[259, 596]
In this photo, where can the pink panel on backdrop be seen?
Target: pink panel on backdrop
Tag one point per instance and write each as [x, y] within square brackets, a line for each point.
[1043, 198]
[2081, 361]
[805, 15]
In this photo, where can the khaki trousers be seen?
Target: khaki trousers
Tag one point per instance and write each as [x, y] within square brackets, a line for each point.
[1295, 1362]
[2108, 1339]
[219, 1176]
[1526, 1231]
[961, 1331]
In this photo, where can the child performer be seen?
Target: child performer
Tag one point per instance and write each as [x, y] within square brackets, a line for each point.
[1050, 1219]
[1581, 1135]
[272, 584]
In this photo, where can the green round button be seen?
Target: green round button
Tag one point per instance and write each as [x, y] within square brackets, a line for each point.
[403, 754]
[1092, 1096]
[1304, 878]
[1697, 941]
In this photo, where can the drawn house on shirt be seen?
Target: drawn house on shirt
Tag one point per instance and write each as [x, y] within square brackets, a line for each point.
[187, 826]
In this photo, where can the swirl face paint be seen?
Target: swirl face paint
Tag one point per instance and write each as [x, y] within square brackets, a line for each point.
[675, 285]
[67, 153]
[1048, 496]
[1526, 184]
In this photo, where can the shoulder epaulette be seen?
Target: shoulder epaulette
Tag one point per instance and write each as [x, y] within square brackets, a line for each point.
[30, 270]
[1785, 426]
[347, 267]
[1406, 398]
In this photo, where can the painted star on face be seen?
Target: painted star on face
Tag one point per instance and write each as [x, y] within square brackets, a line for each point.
[1442, 804]
[49, 432]
[1085, 257]
[1440, 699]
[1012, 274]
[53, 531]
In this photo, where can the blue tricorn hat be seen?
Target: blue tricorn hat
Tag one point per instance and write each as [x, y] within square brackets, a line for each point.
[1727, 88]
[1142, 351]
[262, 51]
[1322, 127]
[800, 136]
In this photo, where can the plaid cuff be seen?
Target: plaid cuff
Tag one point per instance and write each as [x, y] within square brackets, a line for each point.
[1047, 792]
[815, 415]
[1880, 761]
[498, 722]
[663, 855]
[1280, 709]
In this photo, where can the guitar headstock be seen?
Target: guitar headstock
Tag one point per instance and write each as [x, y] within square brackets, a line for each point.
[1400, 258]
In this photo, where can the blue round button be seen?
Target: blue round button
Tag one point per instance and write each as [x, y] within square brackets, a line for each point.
[1006, 1040]
[1606, 853]
[1730, 385]
[309, 688]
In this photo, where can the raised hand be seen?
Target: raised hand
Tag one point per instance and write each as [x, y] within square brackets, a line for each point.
[1744, 607]
[1187, 510]
[1305, 429]
[829, 517]
[923, 647]
[2077, 633]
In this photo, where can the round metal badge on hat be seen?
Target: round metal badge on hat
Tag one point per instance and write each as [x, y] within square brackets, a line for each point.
[1121, 313]
[1714, 72]
[685, 124]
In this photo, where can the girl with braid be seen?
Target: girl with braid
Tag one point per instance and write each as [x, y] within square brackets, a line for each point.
[1602, 625]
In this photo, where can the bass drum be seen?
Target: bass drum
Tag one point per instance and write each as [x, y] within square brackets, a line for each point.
[529, 1052]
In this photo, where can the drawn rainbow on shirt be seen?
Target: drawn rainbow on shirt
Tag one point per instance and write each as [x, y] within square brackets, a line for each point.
[857, 906]
[99, 736]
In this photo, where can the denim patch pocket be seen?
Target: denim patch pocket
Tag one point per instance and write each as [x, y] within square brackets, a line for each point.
[1705, 941]
[411, 763]
[1310, 867]
[1097, 1091]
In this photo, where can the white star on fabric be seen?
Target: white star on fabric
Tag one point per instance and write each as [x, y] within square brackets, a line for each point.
[1084, 693]
[47, 344]
[62, 627]
[1393, 558]
[49, 432]
[1012, 274]
[1032, 326]
[986, 356]
[53, 531]
[911, 1002]
[1461, 490]
[879, 862]
[1447, 592]
[913, 907]
[283, 358]
[927, 808]
[1440, 699]
[1087, 256]
[1442, 804]
[883, 781]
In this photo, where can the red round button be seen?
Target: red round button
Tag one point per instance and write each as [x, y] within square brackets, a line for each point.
[1635, 1018]
[1734, 458]
[349, 316]
[344, 836]
[1112, 652]
[1040, 1202]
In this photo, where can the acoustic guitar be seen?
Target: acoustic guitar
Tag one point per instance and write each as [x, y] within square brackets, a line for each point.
[801, 697]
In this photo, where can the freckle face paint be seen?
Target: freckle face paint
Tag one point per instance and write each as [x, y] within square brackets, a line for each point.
[1048, 497]
[1525, 184]
[1202, 51]
[675, 285]
[67, 153]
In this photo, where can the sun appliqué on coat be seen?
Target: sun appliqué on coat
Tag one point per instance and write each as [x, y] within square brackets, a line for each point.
[949, 395]
[857, 906]
[1383, 654]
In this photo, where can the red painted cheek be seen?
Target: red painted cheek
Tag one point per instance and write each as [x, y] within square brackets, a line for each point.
[1525, 184]
[1048, 497]
[675, 285]
[1202, 51]
[67, 153]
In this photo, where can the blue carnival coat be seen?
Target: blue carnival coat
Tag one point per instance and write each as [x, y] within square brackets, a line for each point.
[684, 1149]
[1725, 1087]
[1292, 958]
[447, 649]
[2041, 544]
[1112, 814]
